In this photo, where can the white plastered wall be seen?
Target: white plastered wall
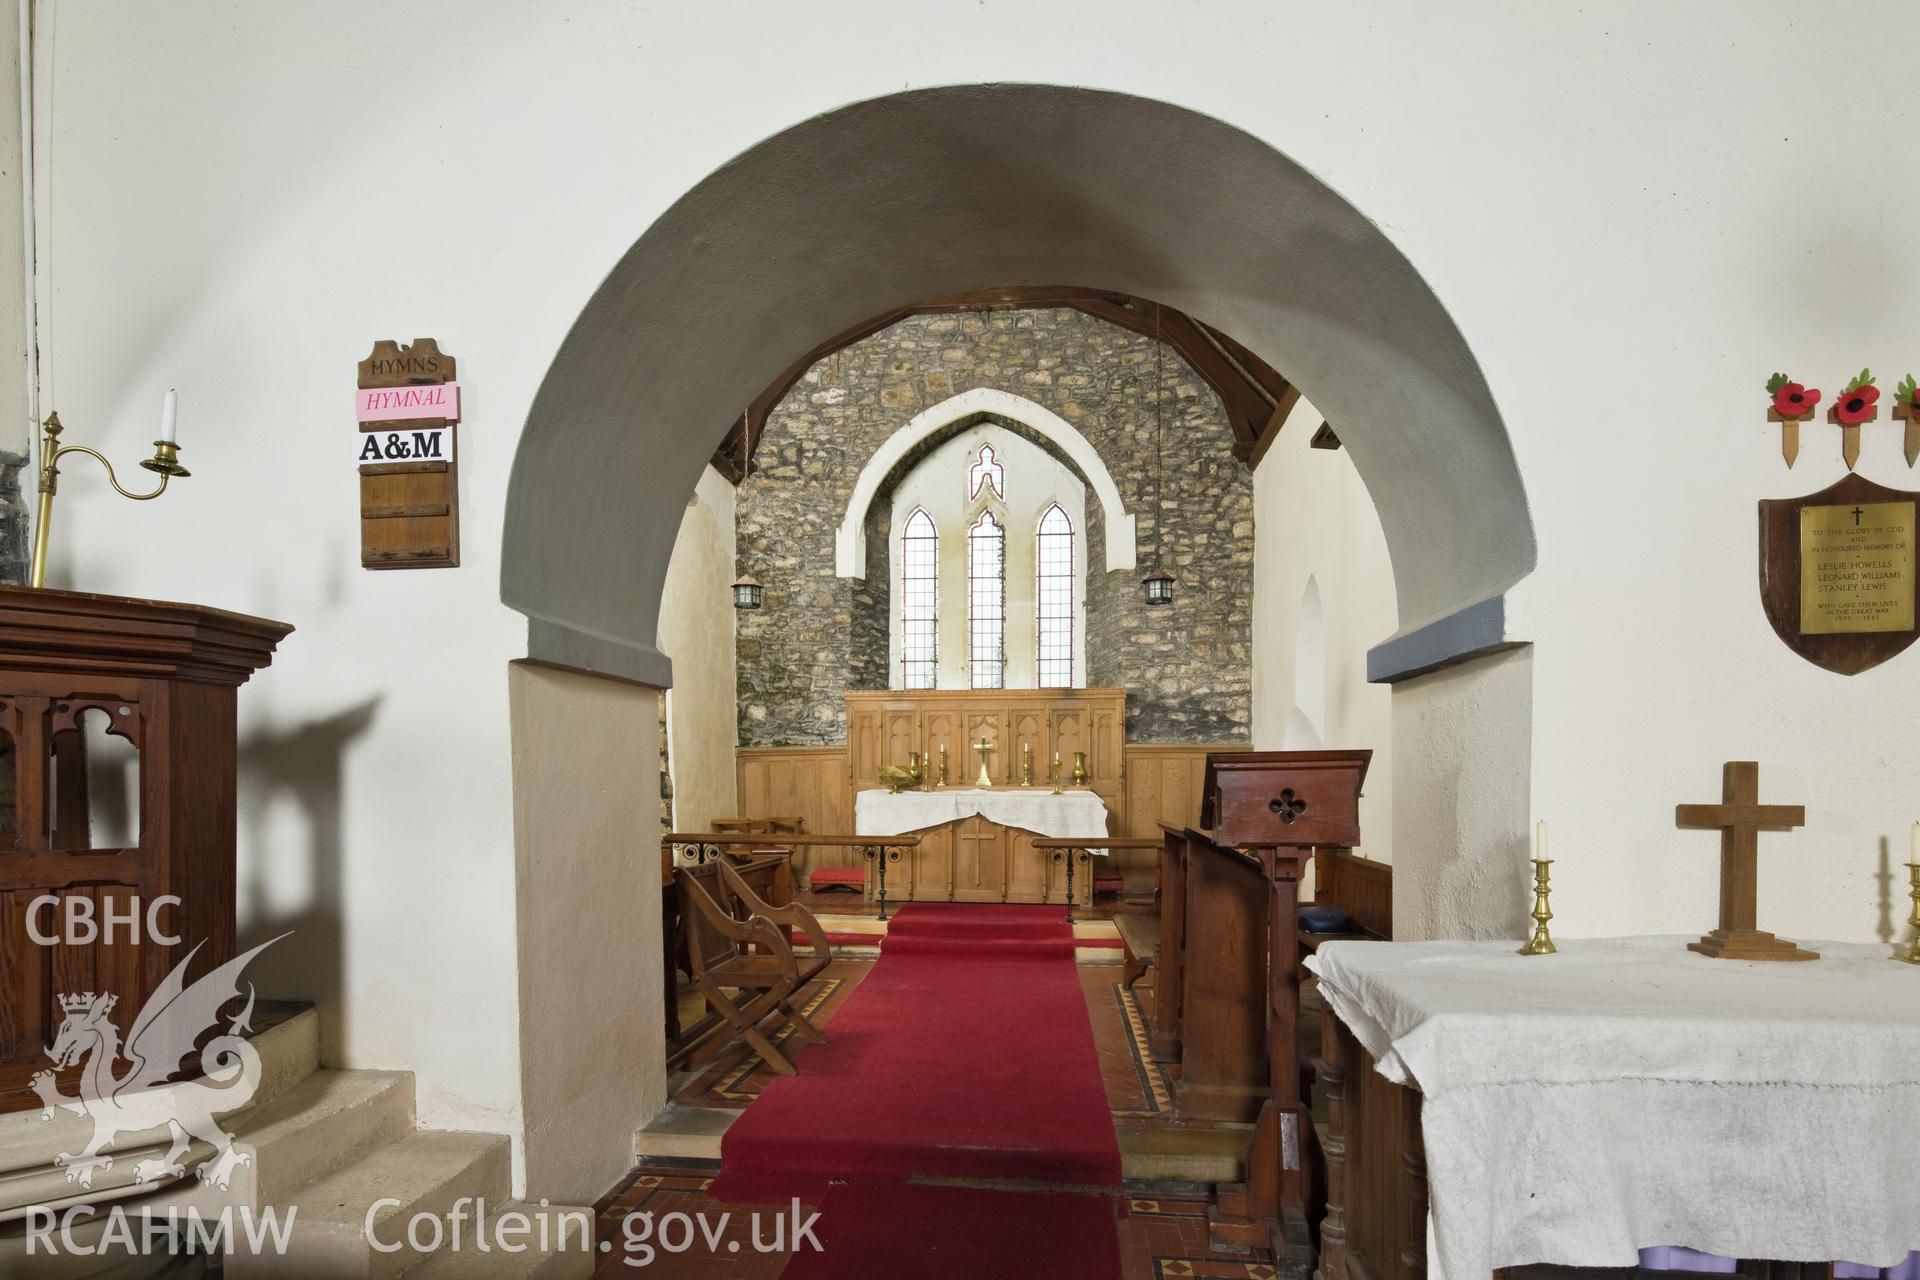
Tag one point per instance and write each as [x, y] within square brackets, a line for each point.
[247, 197]
[696, 632]
[1314, 521]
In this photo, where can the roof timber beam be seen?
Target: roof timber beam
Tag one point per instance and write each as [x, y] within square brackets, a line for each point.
[1257, 397]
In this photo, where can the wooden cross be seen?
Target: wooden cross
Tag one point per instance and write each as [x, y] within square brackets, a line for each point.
[1741, 818]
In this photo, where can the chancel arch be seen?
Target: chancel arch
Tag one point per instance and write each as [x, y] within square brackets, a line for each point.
[974, 185]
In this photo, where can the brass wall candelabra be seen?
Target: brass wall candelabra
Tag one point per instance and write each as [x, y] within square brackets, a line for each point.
[165, 461]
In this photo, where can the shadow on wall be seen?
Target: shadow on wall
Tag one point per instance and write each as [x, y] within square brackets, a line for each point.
[305, 766]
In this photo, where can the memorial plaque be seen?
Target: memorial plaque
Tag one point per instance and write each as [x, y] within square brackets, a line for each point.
[1856, 568]
[1837, 572]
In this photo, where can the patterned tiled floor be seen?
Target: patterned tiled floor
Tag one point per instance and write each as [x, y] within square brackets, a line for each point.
[1163, 1234]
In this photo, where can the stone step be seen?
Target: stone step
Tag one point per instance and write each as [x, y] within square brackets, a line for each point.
[330, 1120]
[289, 1054]
[570, 1252]
[423, 1173]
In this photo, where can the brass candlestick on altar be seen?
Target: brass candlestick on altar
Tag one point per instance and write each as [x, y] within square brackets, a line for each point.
[943, 764]
[1026, 764]
[1912, 954]
[983, 747]
[1079, 768]
[1541, 944]
[165, 461]
[1053, 772]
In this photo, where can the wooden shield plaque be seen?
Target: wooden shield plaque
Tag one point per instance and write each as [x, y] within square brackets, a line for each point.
[1837, 573]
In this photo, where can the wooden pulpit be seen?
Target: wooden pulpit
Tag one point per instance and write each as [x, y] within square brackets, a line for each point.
[117, 793]
[1227, 998]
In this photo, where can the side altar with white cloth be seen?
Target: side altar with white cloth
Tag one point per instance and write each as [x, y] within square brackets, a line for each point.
[1622, 1098]
[976, 843]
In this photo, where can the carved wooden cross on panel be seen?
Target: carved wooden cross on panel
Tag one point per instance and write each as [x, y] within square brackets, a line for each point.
[1741, 818]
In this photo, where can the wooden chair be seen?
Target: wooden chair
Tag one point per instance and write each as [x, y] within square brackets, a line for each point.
[744, 968]
[784, 917]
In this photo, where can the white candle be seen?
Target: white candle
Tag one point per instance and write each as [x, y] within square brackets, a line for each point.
[1913, 849]
[1540, 841]
[169, 412]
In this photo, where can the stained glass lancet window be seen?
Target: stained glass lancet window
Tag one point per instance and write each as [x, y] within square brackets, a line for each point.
[919, 601]
[987, 602]
[1053, 594]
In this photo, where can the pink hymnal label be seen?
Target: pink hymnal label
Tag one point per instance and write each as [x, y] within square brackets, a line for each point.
[401, 404]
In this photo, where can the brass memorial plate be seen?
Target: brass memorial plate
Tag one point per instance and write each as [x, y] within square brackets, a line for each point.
[1856, 568]
[1837, 572]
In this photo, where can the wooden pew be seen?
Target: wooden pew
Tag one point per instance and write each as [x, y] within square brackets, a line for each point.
[1228, 982]
[1360, 888]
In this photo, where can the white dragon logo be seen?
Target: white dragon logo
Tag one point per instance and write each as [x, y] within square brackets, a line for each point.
[139, 1100]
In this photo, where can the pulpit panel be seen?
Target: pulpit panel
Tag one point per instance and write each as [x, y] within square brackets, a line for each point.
[117, 719]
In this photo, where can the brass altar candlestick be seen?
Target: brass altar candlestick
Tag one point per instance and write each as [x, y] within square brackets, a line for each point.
[983, 747]
[1079, 768]
[165, 461]
[1026, 764]
[1541, 944]
[1912, 954]
[943, 764]
[1053, 772]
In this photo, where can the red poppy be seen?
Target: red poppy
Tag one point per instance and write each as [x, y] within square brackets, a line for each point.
[1794, 401]
[1856, 406]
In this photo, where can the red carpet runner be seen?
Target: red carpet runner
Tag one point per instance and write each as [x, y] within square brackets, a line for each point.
[966, 1053]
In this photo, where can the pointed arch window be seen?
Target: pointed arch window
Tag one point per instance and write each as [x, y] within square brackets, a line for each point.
[987, 602]
[1053, 596]
[919, 601]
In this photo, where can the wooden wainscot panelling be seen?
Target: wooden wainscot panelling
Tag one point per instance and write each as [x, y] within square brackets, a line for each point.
[805, 782]
[1162, 786]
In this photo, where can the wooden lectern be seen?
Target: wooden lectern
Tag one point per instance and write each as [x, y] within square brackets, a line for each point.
[162, 677]
[1227, 997]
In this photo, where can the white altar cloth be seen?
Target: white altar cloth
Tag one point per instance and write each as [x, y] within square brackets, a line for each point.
[1069, 814]
[1628, 1093]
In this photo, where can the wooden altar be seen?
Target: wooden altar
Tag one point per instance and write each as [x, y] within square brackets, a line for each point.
[162, 678]
[985, 850]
